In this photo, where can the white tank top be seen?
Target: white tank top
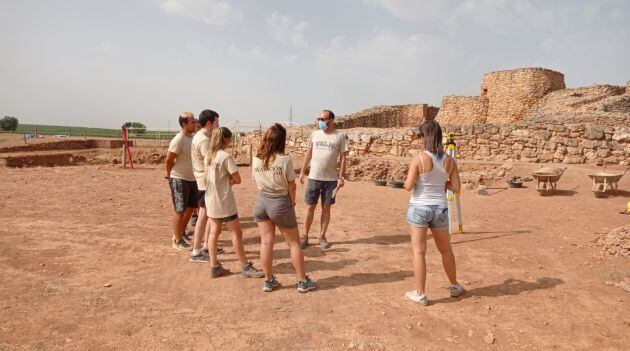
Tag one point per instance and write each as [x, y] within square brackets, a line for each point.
[430, 187]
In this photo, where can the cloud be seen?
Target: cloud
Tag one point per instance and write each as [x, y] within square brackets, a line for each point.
[108, 48]
[498, 15]
[213, 12]
[287, 31]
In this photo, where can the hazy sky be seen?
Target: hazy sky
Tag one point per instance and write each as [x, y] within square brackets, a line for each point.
[100, 63]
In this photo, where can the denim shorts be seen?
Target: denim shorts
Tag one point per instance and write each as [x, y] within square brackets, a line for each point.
[428, 216]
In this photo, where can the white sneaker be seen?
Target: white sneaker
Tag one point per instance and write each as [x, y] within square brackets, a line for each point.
[413, 296]
[456, 290]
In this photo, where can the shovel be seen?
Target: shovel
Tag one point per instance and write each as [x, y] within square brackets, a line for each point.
[482, 190]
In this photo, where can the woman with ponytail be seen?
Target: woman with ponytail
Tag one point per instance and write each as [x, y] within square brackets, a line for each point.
[430, 174]
[274, 175]
[221, 173]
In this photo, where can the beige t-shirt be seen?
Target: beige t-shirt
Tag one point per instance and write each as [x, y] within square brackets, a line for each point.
[274, 179]
[200, 144]
[326, 149]
[182, 169]
[220, 200]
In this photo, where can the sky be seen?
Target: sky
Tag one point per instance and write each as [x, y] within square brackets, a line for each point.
[94, 63]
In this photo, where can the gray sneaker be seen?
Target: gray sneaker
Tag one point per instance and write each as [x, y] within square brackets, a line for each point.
[415, 297]
[219, 251]
[306, 285]
[456, 290]
[218, 271]
[199, 258]
[325, 245]
[304, 243]
[249, 271]
[181, 245]
[270, 284]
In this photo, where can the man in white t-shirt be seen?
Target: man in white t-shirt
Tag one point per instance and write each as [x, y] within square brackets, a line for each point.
[327, 149]
[181, 180]
[208, 120]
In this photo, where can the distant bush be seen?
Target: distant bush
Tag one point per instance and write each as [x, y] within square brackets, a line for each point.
[138, 128]
[9, 123]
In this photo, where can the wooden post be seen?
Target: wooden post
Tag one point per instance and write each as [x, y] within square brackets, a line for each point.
[159, 139]
[124, 156]
[36, 134]
[251, 155]
[24, 138]
[70, 133]
[84, 133]
[117, 135]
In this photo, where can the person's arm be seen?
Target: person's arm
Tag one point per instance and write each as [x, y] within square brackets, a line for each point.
[170, 161]
[235, 178]
[305, 163]
[292, 192]
[412, 174]
[454, 183]
[342, 169]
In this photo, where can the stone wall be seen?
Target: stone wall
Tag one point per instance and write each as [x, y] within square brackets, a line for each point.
[385, 116]
[512, 93]
[525, 141]
[460, 110]
[506, 96]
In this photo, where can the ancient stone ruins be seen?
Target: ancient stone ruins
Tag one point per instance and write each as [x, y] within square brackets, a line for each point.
[525, 115]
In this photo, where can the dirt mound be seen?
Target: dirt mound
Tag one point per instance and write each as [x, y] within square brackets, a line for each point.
[45, 160]
[616, 242]
[65, 145]
[607, 103]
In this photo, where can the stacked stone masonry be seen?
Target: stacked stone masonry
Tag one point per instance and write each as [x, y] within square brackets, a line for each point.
[384, 116]
[526, 141]
[506, 96]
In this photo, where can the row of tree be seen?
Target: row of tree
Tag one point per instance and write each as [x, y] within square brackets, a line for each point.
[10, 124]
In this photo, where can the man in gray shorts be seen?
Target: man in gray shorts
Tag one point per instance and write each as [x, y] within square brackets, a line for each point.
[327, 149]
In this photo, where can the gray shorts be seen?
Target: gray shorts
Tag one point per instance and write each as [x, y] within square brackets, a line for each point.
[428, 216]
[277, 209]
[320, 188]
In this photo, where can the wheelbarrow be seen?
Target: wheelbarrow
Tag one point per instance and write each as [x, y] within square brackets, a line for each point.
[604, 181]
[546, 179]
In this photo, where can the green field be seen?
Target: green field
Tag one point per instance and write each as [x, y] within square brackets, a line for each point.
[90, 132]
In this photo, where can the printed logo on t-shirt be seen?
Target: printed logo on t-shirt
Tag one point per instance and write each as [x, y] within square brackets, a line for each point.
[332, 146]
[275, 170]
[215, 166]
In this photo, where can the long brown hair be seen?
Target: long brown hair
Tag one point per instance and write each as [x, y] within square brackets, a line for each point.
[218, 141]
[273, 143]
[432, 134]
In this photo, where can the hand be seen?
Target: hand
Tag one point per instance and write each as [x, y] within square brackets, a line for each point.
[292, 203]
[167, 177]
[231, 181]
[341, 183]
[302, 178]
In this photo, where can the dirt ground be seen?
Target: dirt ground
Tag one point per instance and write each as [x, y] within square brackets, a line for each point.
[85, 264]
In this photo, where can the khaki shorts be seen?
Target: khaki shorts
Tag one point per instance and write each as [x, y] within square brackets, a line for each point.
[277, 209]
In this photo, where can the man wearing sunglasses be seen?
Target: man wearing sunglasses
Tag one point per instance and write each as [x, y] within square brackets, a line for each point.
[327, 150]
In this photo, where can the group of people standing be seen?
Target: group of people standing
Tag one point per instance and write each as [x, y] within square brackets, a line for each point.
[201, 174]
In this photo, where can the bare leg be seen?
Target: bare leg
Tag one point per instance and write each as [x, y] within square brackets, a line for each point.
[187, 214]
[419, 248]
[237, 240]
[292, 237]
[200, 229]
[267, 237]
[443, 243]
[213, 239]
[308, 221]
[325, 220]
[176, 223]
